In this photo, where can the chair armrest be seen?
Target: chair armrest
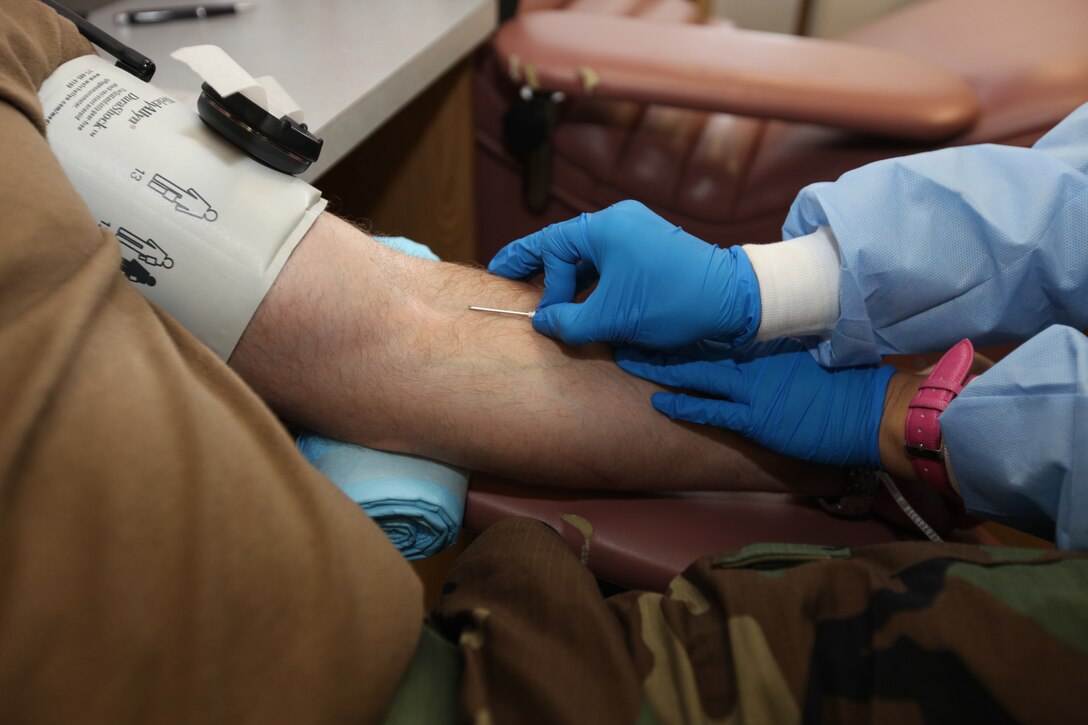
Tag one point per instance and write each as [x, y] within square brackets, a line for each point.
[715, 68]
[643, 540]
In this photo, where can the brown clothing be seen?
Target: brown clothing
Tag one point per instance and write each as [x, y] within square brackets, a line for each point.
[165, 553]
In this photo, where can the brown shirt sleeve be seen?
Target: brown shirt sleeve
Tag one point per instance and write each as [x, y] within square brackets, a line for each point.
[165, 553]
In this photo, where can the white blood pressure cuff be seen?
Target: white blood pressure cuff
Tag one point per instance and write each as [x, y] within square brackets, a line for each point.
[204, 230]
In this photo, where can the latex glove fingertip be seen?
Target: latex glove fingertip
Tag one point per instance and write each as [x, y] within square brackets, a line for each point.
[543, 323]
[704, 411]
[499, 266]
[518, 259]
[645, 364]
[666, 403]
[633, 367]
[565, 322]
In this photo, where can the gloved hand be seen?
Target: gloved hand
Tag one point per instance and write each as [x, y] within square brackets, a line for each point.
[774, 393]
[659, 286]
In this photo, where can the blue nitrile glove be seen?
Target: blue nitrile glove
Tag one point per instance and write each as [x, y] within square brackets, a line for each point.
[659, 286]
[774, 393]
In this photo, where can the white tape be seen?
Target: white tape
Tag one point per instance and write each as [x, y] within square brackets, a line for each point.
[222, 73]
[204, 230]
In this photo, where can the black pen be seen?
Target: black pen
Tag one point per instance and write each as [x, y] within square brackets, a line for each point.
[178, 12]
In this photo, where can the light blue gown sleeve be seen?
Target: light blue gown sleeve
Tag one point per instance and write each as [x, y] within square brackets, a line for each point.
[1012, 438]
[985, 242]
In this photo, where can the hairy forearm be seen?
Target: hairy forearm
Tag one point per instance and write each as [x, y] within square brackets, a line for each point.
[365, 344]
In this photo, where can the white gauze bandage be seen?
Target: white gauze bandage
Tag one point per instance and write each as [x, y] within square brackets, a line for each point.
[204, 230]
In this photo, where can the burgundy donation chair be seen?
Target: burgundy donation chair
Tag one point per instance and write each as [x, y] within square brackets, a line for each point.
[717, 129]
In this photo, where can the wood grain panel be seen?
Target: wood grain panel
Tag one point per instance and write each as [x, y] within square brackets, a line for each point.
[415, 177]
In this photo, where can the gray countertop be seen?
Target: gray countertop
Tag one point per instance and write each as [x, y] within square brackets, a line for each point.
[350, 64]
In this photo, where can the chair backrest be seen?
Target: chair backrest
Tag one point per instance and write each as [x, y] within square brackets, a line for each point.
[728, 178]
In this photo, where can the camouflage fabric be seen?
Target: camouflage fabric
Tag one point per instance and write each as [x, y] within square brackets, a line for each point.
[906, 632]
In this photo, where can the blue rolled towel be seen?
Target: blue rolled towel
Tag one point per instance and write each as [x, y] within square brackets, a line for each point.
[417, 502]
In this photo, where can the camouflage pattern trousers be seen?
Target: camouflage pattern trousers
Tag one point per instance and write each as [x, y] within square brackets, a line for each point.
[905, 632]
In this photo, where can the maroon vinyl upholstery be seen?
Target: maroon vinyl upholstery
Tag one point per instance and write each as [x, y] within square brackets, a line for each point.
[643, 541]
[729, 178]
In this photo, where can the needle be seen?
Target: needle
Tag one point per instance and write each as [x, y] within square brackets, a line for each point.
[502, 312]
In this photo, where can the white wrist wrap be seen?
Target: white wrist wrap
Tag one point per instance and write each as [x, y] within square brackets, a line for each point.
[204, 230]
[798, 285]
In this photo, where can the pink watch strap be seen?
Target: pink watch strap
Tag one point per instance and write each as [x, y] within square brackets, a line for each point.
[924, 442]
